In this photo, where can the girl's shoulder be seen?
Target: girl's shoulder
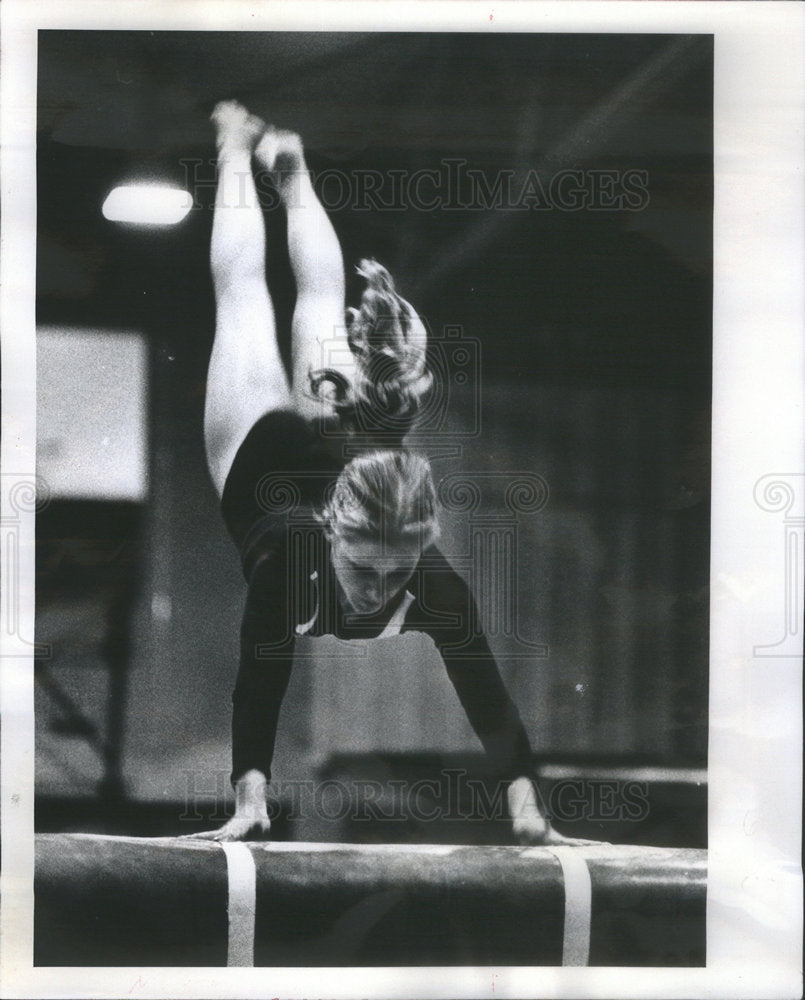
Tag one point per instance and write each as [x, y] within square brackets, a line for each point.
[436, 582]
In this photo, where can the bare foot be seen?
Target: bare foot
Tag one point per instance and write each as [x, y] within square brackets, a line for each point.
[281, 153]
[235, 127]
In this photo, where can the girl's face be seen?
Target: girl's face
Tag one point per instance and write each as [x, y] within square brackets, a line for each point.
[372, 571]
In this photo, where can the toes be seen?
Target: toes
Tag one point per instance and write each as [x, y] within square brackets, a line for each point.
[255, 124]
[280, 150]
[266, 148]
[228, 110]
[230, 117]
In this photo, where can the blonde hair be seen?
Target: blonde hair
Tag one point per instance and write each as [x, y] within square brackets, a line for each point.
[384, 493]
[389, 343]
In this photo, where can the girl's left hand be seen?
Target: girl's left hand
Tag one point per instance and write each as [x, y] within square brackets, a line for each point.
[529, 826]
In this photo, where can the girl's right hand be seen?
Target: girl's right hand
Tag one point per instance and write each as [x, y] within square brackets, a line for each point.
[237, 828]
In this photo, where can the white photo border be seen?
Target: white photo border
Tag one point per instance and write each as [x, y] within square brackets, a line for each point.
[754, 918]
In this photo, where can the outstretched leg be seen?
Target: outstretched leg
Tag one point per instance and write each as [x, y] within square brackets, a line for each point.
[246, 376]
[319, 336]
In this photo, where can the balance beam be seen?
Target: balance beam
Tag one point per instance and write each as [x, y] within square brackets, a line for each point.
[171, 902]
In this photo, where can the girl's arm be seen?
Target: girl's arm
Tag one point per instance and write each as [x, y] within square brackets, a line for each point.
[266, 660]
[280, 450]
[495, 719]
[474, 674]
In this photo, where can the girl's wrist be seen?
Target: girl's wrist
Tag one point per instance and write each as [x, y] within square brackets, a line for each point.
[250, 795]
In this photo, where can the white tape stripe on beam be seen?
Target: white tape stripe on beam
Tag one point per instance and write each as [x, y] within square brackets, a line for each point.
[242, 897]
[578, 905]
[241, 902]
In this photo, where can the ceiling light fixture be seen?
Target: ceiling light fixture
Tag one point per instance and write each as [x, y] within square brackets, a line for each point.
[147, 205]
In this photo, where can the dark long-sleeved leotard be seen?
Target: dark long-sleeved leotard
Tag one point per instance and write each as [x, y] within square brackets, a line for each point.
[277, 483]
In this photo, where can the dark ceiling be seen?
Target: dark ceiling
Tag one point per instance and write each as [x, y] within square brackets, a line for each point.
[580, 294]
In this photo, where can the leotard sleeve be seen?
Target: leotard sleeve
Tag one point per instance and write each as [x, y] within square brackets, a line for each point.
[279, 472]
[453, 622]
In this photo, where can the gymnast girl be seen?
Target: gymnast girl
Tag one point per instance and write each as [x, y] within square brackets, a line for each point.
[369, 566]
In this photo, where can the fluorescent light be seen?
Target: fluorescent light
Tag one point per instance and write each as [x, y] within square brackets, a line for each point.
[147, 205]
